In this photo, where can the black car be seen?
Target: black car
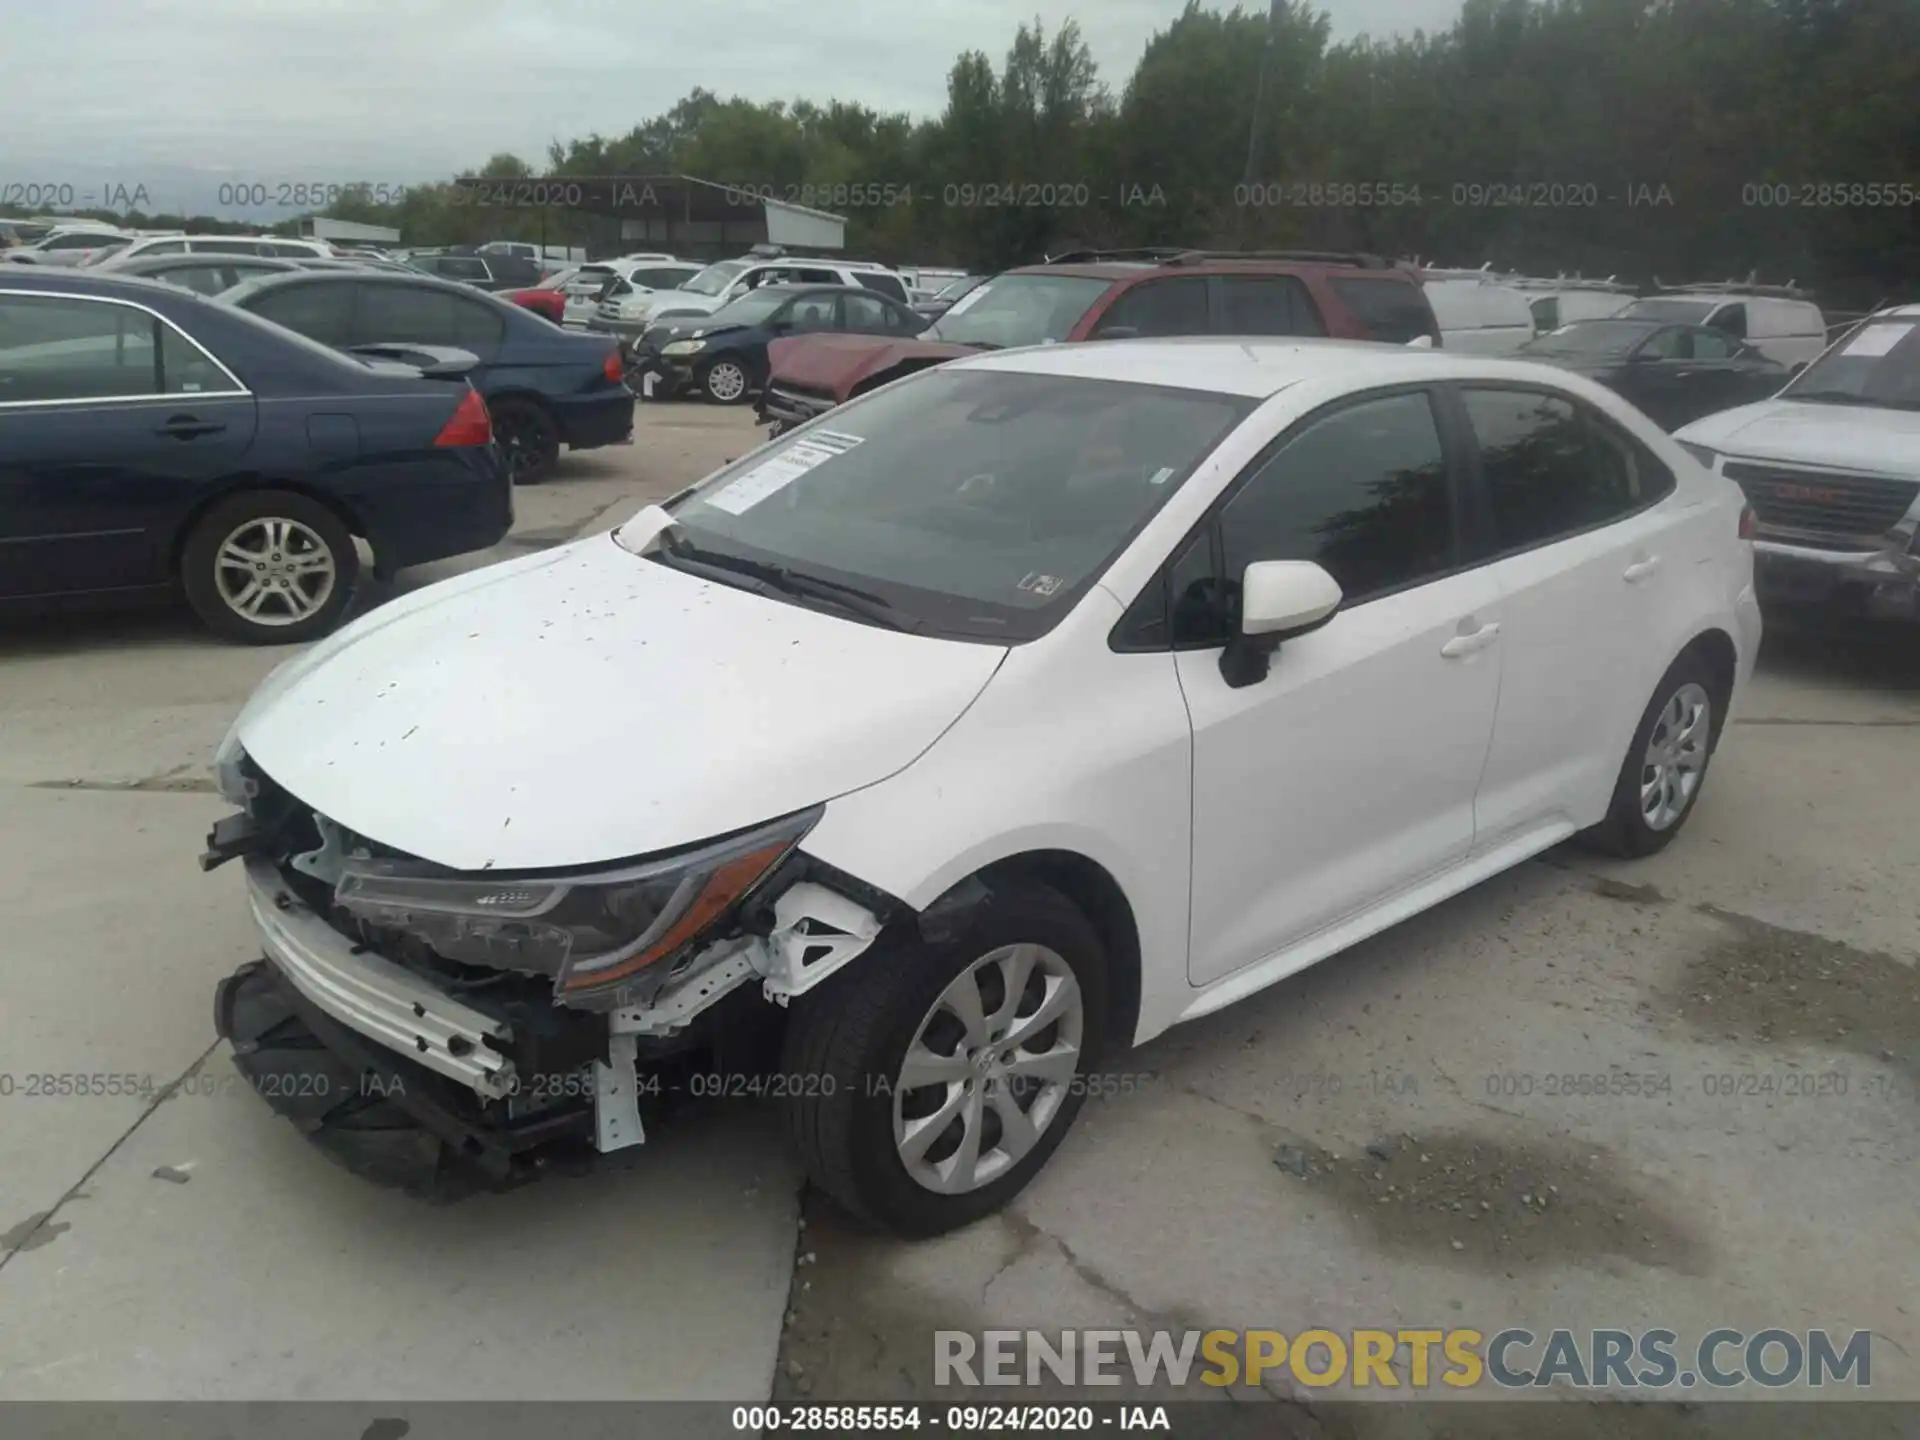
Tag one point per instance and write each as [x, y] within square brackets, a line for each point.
[154, 442]
[1674, 373]
[482, 272]
[546, 387]
[724, 355]
[205, 274]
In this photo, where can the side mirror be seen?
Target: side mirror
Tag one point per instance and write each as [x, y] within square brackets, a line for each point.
[1420, 342]
[1279, 599]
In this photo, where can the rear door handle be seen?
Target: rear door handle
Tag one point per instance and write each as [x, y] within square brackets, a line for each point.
[1467, 644]
[187, 427]
[1640, 569]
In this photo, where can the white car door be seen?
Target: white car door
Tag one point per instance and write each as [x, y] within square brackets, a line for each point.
[1349, 772]
[1586, 559]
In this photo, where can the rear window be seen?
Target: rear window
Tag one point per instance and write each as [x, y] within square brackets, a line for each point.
[1392, 310]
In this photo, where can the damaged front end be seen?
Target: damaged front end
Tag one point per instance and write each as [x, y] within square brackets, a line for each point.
[511, 1018]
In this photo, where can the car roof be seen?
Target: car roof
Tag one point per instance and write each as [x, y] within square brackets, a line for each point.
[1904, 312]
[1255, 368]
[104, 284]
[158, 264]
[802, 287]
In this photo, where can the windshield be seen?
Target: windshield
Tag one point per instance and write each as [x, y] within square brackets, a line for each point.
[1879, 364]
[750, 309]
[972, 504]
[1589, 337]
[1018, 310]
[1686, 312]
[956, 288]
[715, 278]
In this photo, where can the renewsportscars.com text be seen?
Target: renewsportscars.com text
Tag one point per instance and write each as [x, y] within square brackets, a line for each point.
[1459, 1358]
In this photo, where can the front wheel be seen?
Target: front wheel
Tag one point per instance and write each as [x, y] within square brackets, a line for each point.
[937, 1078]
[725, 381]
[270, 567]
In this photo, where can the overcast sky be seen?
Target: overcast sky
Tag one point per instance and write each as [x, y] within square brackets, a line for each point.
[399, 90]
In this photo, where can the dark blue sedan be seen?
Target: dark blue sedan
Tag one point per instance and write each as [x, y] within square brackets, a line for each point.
[153, 441]
[545, 386]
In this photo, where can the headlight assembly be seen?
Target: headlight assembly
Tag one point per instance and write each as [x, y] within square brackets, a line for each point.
[683, 347]
[590, 932]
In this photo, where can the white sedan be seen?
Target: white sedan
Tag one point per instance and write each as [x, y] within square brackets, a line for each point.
[1014, 712]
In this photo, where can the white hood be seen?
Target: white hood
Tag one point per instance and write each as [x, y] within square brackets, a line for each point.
[1846, 437]
[588, 705]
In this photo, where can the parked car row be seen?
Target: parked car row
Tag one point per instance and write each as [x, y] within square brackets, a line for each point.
[159, 439]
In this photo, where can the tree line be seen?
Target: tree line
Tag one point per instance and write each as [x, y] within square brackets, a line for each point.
[1670, 139]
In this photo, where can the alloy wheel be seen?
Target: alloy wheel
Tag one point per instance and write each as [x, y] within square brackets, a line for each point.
[1676, 757]
[274, 571]
[726, 381]
[989, 1067]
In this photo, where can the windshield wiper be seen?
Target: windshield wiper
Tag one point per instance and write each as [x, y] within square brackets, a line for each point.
[851, 598]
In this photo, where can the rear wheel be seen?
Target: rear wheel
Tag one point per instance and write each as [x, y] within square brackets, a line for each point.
[270, 567]
[1666, 764]
[529, 437]
[935, 1079]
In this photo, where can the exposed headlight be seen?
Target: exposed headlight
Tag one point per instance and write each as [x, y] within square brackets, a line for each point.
[1706, 455]
[683, 347]
[591, 932]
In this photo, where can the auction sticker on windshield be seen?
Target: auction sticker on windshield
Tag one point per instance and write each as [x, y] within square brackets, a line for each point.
[1877, 339]
[770, 476]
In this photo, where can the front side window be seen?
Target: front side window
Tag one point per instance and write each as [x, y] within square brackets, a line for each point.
[1683, 312]
[715, 279]
[1712, 345]
[1018, 310]
[970, 503]
[811, 312]
[202, 279]
[659, 279]
[1670, 344]
[1553, 470]
[1159, 307]
[1362, 491]
[1732, 319]
[888, 285]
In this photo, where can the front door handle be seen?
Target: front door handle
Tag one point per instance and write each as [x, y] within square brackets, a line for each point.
[187, 427]
[1466, 644]
[1641, 569]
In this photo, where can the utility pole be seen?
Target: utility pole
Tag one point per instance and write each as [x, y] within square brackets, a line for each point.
[1256, 126]
[1255, 129]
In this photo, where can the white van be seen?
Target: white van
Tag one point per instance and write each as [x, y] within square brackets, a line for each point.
[1779, 321]
[1561, 302]
[1477, 313]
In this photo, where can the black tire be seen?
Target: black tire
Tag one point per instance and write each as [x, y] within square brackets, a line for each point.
[328, 1101]
[1626, 831]
[315, 528]
[849, 1036]
[721, 366]
[530, 437]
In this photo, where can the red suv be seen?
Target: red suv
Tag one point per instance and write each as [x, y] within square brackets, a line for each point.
[1113, 295]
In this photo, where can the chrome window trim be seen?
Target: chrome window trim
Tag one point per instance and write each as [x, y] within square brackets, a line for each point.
[239, 391]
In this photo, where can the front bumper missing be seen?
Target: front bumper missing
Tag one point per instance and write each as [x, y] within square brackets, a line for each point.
[373, 996]
[1879, 584]
[374, 1013]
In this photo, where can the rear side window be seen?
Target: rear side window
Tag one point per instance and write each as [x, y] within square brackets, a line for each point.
[1552, 469]
[319, 311]
[885, 284]
[1160, 307]
[424, 315]
[1266, 305]
[166, 247]
[206, 279]
[185, 369]
[1392, 310]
